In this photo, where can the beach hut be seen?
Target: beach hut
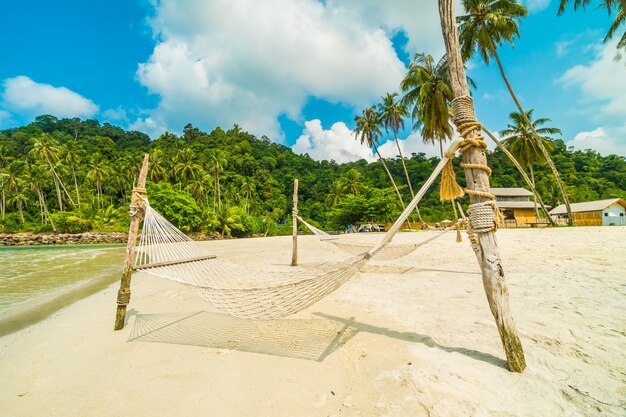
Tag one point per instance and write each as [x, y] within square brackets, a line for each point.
[516, 206]
[611, 212]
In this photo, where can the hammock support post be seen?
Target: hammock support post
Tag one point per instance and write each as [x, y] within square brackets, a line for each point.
[294, 220]
[482, 207]
[137, 210]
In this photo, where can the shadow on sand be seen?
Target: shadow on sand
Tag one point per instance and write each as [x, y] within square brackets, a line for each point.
[312, 339]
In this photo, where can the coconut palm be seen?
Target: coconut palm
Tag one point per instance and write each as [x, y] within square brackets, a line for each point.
[217, 161]
[427, 93]
[158, 170]
[186, 168]
[368, 132]
[487, 24]
[99, 171]
[248, 188]
[352, 180]
[46, 149]
[518, 138]
[610, 5]
[393, 113]
[73, 156]
[337, 191]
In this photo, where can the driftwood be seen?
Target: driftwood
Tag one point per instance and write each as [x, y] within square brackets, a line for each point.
[484, 243]
[137, 210]
[294, 219]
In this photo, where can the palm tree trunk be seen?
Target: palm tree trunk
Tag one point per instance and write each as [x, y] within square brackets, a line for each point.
[408, 180]
[4, 204]
[76, 185]
[544, 151]
[484, 243]
[521, 170]
[395, 187]
[532, 178]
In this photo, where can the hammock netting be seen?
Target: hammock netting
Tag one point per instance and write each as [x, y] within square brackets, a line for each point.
[166, 252]
[386, 253]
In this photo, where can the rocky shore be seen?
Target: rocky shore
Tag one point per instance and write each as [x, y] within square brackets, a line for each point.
[87, 238]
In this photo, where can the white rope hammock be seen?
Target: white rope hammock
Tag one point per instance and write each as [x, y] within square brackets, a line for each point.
[165, 251]
[355, 248]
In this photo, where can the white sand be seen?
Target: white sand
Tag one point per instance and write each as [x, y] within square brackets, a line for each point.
[421, 342]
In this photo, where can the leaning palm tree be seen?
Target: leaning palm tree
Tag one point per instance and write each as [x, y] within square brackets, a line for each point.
[368, 131]
[427, 93]
[519, 139]
[487, 24]
[73, 156]
[393, 113]
[610, 5]
[46, 149]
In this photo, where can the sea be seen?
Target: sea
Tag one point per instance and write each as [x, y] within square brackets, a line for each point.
[35, 282]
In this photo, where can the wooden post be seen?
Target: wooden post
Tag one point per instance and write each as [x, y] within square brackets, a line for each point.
[294, 217]
[484, 243]
[137, 210]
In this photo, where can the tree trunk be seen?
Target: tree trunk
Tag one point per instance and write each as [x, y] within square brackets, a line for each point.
[395, 187]
[294, 220]
[137, 212]
[521, 170]
[532, 178]
[408, 180]
[76, 185]
[485, 245]
[544, 151]
[3, 204]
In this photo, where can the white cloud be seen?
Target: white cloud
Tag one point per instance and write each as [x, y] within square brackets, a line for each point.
[247, 62]
[6, 119]
[602, 82]
[149, 126]
[28, 98]
[604, 140]
[338, 143]
[118, 114]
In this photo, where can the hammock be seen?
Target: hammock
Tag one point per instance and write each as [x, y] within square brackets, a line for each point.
[165, 251]
[355, 248]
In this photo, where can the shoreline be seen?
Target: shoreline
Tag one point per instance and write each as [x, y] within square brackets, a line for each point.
[417, 338]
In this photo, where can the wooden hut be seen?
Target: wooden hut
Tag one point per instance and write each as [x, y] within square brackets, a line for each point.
[611, 212]
[516, 206]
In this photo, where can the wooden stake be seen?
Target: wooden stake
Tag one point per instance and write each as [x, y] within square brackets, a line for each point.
[294, 219]
[137, 210]
[484, 244]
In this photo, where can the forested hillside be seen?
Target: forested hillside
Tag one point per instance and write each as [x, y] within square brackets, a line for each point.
[71, 175]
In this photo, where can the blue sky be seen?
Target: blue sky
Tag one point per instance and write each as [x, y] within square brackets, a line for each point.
[294, 70]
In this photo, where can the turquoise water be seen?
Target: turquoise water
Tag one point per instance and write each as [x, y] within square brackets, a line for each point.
[37, 281]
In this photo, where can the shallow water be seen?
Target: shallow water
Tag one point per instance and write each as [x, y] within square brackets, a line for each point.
[36, 282]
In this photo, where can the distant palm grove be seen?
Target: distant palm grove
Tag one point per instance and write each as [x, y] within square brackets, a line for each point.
[69, 175]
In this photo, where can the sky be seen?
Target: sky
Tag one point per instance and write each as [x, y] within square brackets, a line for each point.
[296, 71]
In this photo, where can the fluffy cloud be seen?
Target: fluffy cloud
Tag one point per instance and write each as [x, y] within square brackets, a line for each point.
[248, 62]
[600, 83]
[28, 98]
[339, 143]
[604, 140]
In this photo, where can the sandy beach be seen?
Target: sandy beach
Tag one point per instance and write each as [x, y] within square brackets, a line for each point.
[408, 337]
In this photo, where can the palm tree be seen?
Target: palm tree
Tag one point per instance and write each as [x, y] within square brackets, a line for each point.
[248, 188]
[393, 114]
[46, 149]
[368, 131]
[217, 161]
[158, 171]
[73, 156]
[519, 139]
[99, 171]
[427, 92]
[487, 24]
[352, 180]
[35, 176]
[620, 17]
[337, 191]
[186, 168]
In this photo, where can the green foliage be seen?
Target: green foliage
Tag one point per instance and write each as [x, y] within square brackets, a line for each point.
[177, 206]
[231, 182]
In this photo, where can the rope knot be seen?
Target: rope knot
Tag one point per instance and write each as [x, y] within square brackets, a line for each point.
[483, 217]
